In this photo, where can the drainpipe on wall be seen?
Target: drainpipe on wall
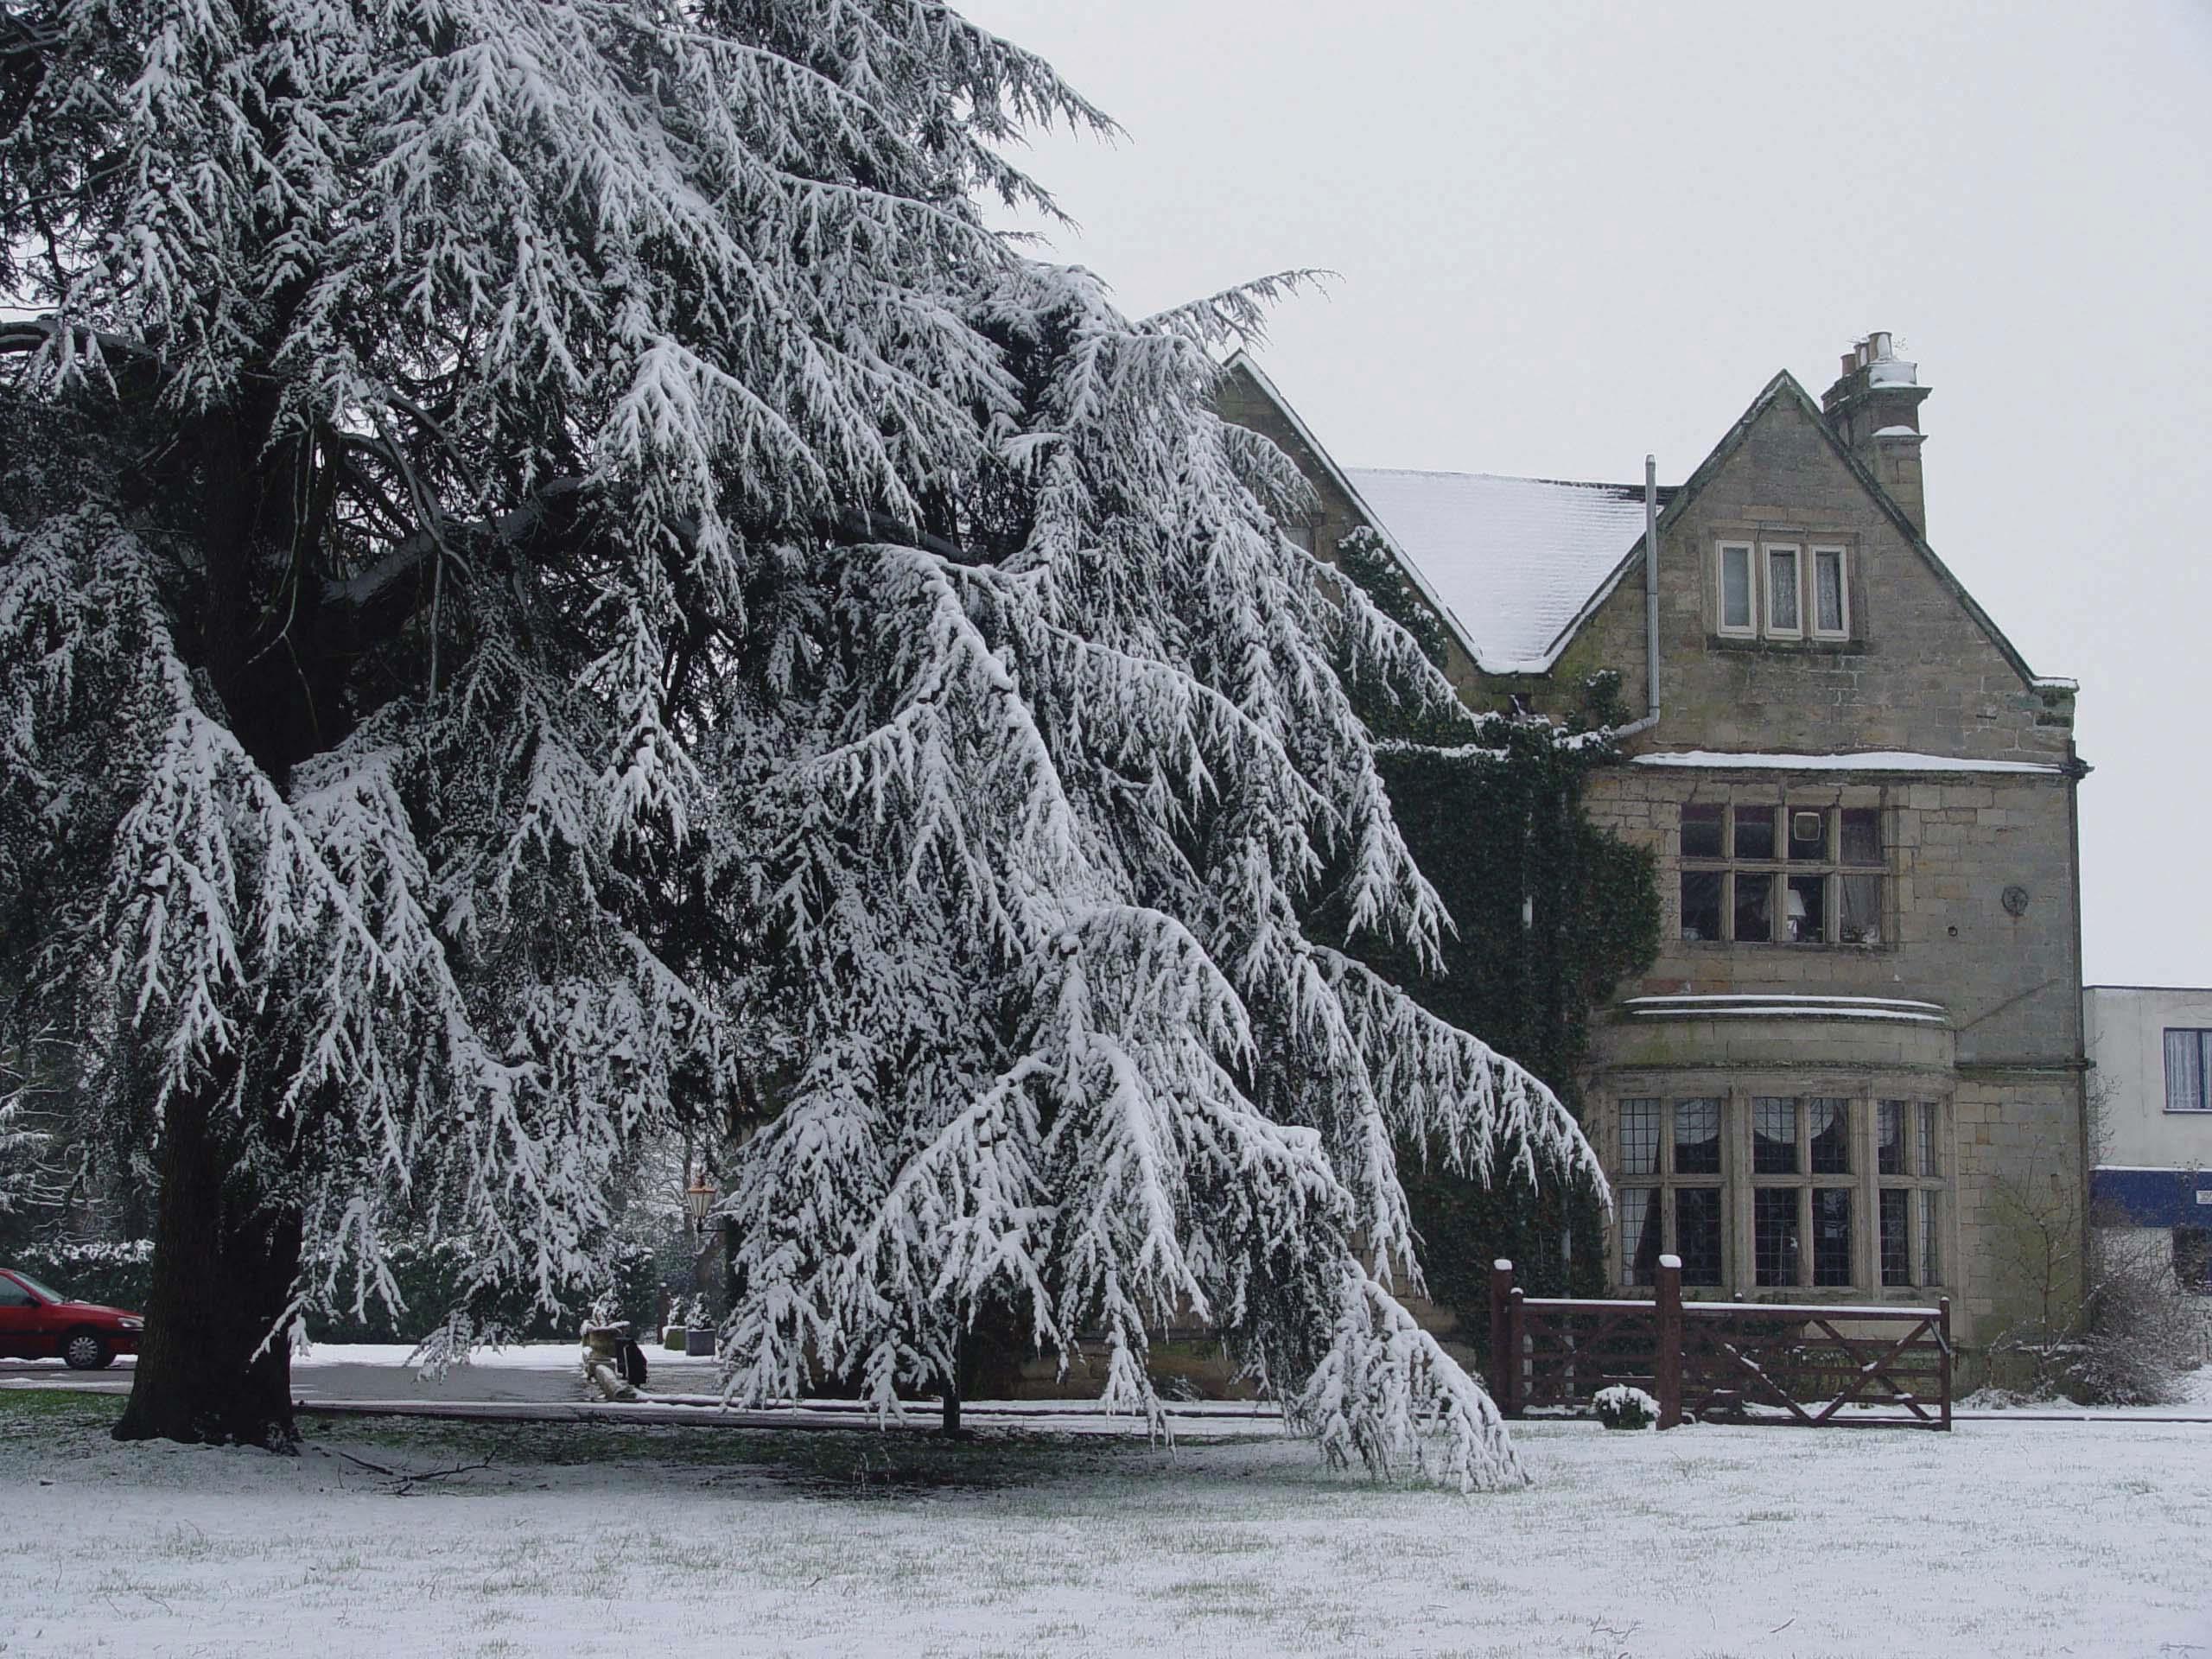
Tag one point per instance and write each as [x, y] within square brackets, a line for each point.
[1651, 588]
[1650, 602]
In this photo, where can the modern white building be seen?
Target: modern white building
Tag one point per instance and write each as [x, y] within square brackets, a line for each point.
[2150, 1051]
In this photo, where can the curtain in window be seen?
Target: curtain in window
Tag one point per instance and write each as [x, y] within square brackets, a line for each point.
[1639, 1137]
[1697, 1137]
[2185, 1071]
[1640, 1223]
[1828, 614]
[1862, 835]
[1774, 1136]
[1832, 1236]
[1931, 1255]
[1831, 1135]
[1889, 1137]
[1861, 922]
[1782, 590]
[1697, 1233]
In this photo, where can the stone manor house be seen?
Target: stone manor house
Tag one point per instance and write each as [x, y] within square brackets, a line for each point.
[1855, 1072]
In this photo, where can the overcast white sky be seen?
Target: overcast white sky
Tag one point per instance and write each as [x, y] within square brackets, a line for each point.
[1568, 234]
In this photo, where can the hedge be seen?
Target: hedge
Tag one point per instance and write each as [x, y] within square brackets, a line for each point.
[117, 1275]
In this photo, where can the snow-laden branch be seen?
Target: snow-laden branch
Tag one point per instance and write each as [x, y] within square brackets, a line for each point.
[1443, 1088]
[1387, 1393]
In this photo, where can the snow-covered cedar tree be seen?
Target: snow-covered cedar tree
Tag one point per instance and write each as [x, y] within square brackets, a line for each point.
[66, 1170]
[417, 400]
[555, 577]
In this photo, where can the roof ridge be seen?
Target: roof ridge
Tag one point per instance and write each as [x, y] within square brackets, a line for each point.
[1508, 478]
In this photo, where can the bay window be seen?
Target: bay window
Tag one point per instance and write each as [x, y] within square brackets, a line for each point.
[1810, 1194]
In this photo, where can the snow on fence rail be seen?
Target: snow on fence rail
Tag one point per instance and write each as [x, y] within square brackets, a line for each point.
[1872, 1366]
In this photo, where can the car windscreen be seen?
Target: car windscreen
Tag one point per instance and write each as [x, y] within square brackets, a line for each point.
[43, 1292]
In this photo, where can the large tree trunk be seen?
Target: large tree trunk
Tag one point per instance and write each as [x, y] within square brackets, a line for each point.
[226, 1245]
[953, 1384]
[224, 1262]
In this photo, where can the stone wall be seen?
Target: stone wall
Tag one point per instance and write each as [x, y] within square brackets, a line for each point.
[1919, 672]
[1981, 895]
[1956, 844]
[2021, 1196]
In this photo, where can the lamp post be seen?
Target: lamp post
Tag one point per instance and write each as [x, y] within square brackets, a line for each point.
[699, 1197]
[699, 1202]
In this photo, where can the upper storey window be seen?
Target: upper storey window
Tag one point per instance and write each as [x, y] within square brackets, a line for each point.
[2188, 1069]
[1831, 617]
[1784, 618]
[1736, 588]
[1767, 873]
[1782, 590]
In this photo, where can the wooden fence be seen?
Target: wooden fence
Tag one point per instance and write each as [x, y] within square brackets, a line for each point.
[1877, 1366]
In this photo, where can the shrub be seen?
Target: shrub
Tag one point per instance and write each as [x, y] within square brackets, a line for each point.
[115, 1274]
[427, 1275]
[1622, 1407]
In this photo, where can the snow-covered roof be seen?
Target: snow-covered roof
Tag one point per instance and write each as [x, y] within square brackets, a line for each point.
[1858, 760]
[1517, 564]
[1513, 559]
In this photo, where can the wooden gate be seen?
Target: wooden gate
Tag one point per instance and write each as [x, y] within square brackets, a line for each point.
[1861, 1367]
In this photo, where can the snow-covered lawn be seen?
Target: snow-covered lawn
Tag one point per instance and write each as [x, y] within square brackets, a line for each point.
[2000, 1539]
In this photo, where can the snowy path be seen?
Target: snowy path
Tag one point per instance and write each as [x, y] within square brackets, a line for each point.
[2082, 1538]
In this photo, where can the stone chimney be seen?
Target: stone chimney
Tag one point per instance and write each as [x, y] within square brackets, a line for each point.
[1874, 409]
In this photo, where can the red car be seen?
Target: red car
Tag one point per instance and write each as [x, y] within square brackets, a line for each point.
[37, 1322]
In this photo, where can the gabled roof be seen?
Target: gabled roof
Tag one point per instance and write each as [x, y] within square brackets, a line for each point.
[1504, 561]
[1513, 559]
[1515, 565]
[1784, 385]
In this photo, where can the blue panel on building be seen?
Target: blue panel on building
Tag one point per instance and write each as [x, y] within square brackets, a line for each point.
[2155, 1198]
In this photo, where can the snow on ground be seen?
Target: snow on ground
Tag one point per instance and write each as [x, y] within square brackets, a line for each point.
[2013, 1539]
[528, 1357]
[522, 1357]
[2192, 1398]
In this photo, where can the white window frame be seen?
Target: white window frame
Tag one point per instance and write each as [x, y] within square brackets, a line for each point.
[1809, 598]
[2203, 1044]
[1767, 552]
[1748, 629]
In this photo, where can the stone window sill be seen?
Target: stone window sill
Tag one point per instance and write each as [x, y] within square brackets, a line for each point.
[1785, 647]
